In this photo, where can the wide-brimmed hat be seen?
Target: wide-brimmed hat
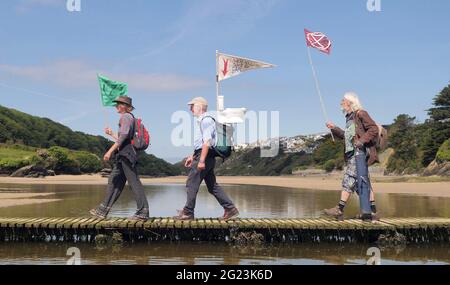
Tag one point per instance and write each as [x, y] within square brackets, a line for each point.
[124, 100]
[198, 101]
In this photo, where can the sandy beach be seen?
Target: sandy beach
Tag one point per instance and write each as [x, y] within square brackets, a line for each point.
[330, 183]
[19, 199]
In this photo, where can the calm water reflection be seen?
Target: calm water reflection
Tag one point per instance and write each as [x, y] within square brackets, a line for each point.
[219, 254]
[253, 201]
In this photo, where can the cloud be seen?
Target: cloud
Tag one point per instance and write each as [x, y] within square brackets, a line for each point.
[211, 17]
[75, 74]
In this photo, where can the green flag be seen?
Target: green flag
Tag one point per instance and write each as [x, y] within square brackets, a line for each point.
[110, 90]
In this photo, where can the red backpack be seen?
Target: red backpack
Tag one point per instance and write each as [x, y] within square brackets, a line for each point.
[141, 136]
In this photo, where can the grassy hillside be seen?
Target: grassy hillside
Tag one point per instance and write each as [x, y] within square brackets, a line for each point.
[23, 135]
[21, 128]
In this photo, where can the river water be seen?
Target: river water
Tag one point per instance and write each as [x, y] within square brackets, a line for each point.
[252, 201]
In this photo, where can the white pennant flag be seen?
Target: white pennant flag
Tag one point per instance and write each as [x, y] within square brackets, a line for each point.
[229, 65]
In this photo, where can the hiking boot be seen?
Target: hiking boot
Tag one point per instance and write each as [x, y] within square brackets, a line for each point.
[184, 216]
[230, 214]
[334, 212]
[96, 213]
[369, 217]
[376, 216]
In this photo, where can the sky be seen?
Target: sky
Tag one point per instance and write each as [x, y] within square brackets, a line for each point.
[396, 59]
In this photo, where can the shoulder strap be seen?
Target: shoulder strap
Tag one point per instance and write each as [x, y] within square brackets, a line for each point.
[133, 126]
[203, 119]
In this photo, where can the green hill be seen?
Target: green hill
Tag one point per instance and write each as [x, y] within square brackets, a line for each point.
[21, 135]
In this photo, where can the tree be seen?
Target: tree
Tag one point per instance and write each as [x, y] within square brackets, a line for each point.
[438, 126]
[328, 150]
[404, 141]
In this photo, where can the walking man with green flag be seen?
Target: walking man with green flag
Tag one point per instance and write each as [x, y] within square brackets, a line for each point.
[122, 154]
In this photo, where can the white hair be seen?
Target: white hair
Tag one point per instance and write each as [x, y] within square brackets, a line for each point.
[353, 98]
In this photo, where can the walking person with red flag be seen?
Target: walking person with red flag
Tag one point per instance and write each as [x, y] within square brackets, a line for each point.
[360, 136]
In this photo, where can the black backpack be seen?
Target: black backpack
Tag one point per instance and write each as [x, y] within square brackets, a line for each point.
[224, 139]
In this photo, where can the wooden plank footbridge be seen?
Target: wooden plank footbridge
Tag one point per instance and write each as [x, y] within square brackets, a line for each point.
[415, 230]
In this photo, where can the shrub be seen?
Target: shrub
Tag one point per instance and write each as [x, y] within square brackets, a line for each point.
[443, 153]
[61, 162]
[329, 165]
[88, 162]
[9, 164]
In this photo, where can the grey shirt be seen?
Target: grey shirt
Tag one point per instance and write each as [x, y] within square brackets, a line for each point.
[125, 125]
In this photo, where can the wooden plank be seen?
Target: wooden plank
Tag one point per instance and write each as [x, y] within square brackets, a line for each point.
[68, 223]
[395, 222]
[223, 224]
[163, 223]
[216, 224]
[102, 224]
[76, 224]
[331, 225]
[281, 223]
[44, 223]
[139, 224]
[156, 223]
[406, 223]
[357, 224]
[123, 224]
[53, 222]
[85, 224]
[61, 222]
[180, 224]
[20, 223]
[170, 223]
[148, 224]
[201, 223]
[116, 222]
[299, 224]
[310, 223]
[271, 224]
[32, 223]
[246, 223]
[28, 223]
[191, 225]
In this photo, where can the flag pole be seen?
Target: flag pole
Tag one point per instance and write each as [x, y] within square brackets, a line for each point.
[105, 112]
[217, 81]
[318, 90]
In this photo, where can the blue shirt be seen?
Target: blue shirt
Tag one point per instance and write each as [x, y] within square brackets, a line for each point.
[207, 127]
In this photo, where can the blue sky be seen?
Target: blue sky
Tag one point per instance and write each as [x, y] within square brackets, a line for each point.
[397, 60]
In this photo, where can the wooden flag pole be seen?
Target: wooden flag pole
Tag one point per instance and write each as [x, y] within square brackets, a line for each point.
[318, 90]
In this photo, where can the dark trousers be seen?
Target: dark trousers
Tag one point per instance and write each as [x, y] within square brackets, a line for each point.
[122, 172]
[195, 179]
[364, 186]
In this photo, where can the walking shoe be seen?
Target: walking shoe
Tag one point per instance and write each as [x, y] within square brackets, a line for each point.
[139, 217]
[334, 212]
[230, 214]
[184, 216]
[97, 214]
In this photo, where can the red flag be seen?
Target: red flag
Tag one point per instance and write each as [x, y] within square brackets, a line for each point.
[318, 40]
